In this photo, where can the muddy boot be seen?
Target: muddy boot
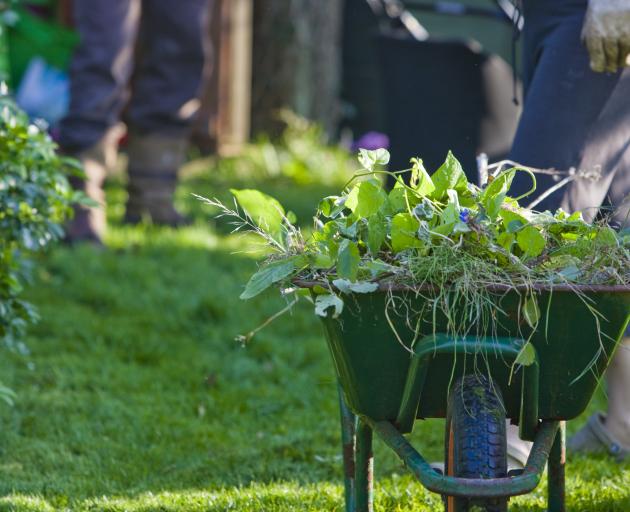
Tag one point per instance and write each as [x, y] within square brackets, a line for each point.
[89, 222]
[153, 164]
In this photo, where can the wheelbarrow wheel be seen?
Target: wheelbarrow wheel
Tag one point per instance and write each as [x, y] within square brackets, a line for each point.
[475, 444]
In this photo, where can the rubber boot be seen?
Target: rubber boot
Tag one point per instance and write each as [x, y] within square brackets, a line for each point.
[89, 222]
[153, 164]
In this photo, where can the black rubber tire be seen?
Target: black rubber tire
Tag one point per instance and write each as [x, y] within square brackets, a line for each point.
[475, 439]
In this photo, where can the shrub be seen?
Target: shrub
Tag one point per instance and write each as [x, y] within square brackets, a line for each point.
[35, 199]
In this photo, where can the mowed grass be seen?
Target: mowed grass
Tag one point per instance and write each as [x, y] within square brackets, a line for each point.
[135, 396]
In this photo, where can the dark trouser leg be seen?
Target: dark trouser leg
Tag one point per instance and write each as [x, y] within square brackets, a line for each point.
[348, 443]
[563, 101]
[608, 147]
[100, 70]
[169, 76]
[555, 475]
[364, 471]
[99, 74]
[165, 99]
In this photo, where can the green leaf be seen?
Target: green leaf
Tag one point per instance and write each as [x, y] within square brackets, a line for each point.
[264, 210]
[403, 232]
[272, 273]
[320, 260]
[366, 198]
[506, 240]
[450, 214]
[420, 181]
[348, 259]
[570, 273]
[378, 267]
[493, 196]
[607, 237]
[424, 210]
[370, 158]
[345, 286]
[291, 217]
[377, 232]
[527, 355]
[400, 198]
[531, 241]
[325, 302]
[449, 175]
[531, 312]
[332, 206]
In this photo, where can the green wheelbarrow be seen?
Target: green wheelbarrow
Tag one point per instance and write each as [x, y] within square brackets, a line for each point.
[474, 382]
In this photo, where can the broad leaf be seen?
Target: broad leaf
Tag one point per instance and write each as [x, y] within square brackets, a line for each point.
[420, 181]
[424, 210]
[400, 199]
[607, 237]
[377, 232]
[332, 206]
[348, 259]
[450, 214]
[530, 240]
[403, 232]
[506, 240]
[527, 355]
[345, 286]
[272, 273]
[371, 158]
[264, 210]
[493, 196]
[449, 175]
[531, 312]
[324, 302]
[366, 198]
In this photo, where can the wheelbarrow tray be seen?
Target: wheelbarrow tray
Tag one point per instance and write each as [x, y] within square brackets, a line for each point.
[573, 349]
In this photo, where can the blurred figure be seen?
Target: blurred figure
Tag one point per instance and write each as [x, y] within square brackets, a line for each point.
[159, 106]
[577, 114]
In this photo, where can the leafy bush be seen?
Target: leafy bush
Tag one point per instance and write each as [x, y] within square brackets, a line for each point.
[35, 199]
[300, 155]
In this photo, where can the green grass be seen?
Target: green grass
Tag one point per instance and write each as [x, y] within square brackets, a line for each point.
[136, 397]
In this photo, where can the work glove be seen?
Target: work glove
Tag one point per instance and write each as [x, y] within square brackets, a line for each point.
[606, 33]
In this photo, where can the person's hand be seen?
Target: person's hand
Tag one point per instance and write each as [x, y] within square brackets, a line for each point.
[606, 33]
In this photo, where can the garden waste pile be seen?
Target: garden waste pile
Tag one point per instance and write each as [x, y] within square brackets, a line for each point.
[436, 232]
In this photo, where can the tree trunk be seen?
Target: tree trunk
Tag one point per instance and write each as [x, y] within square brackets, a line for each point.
[296, 62]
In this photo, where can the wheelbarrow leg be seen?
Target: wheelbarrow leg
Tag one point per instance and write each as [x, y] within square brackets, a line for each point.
[348, 441]
[555, 475]
[364, 468]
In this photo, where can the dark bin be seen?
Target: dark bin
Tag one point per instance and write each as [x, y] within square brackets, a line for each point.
[445, 94]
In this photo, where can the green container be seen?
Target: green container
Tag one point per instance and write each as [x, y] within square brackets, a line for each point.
[372, 365]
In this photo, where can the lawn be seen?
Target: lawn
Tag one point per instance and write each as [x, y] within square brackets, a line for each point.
[134, 394]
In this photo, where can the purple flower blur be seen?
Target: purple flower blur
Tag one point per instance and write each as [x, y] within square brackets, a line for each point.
[371, 141]
[464, 215]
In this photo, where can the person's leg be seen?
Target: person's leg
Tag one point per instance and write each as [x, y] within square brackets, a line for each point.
[618, 379]
[100, 70]
[608, 146]
[99, 75]
[164, 102]
[563, 101]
